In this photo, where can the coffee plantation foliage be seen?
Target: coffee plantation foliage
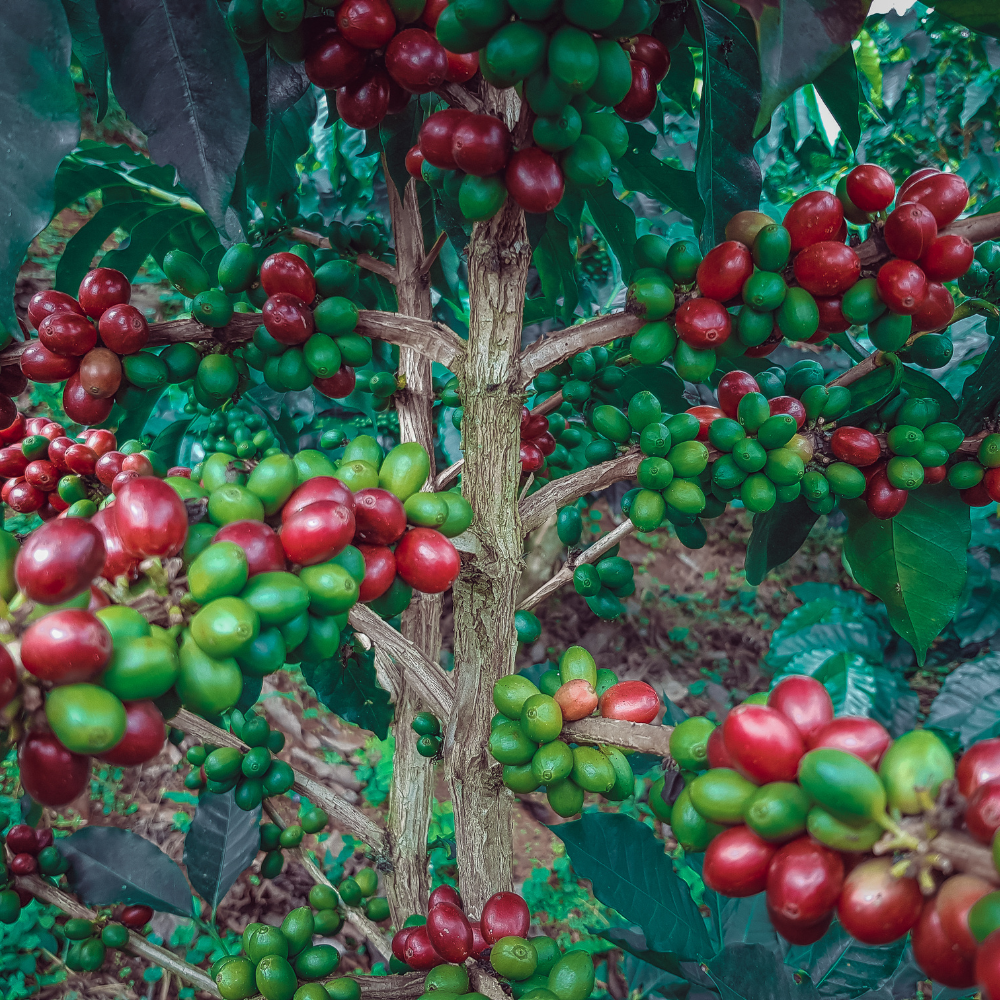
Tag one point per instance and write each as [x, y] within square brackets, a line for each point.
[731, 257]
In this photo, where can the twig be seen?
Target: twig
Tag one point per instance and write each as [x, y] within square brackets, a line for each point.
[536, 508]
[431, 684]
[619, 733]
[428, 262]
[548, 405]
[449, 475]
[340, 810]
[137, 944]
[589, 555]
[387, 271]
[458, 95]
[546, 352]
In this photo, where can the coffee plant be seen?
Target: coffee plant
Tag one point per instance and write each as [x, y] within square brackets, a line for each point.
[436, 278]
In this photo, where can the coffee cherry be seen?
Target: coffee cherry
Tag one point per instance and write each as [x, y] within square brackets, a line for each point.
[855, 445]
[901, 286]
[827, 268]
[947, 258]
[368, 24]
[436, 136]
[637, 105]
[416, 60]
[725, 269]
[533, 179]
[364, 102]
[702, 323]
[331, 60]
[946, 195]
[870, 187]
[814, 217]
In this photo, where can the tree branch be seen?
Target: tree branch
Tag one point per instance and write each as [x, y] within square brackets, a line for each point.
[547, 352]
[137, 944]
[370, 263]
[966, 854]
[340, 810]
[619, 733]
[589, 555]
[457, 95]
[536, 508]
[431, 684]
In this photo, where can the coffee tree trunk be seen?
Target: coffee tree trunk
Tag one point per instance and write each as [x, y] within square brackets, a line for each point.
[486, 590]
[412, 776]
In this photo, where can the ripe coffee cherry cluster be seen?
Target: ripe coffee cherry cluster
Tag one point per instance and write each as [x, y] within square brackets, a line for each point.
[273, 960]
[783, 794]
[428, 727]
[442, 942]
[94, 343]
[255, 774]
[799, 280]
[525, 735]
[307, 335]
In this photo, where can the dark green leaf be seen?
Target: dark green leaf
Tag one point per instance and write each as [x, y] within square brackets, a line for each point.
[270, 166]
[842, 967]
[133, 422]
[41, 125]
[914, 562]
[664, 383]
[168, 441]
[729, 179]
[678, 84]
[777, 535]
[145, 235]
[249, 696]
[76, 179]
[798, 41]
[968, 703]
[633, 941]
[352, 691]
[79, 254]
[398, 134]
[88, 45]
[556, 267]
[981, 391]
[616, 221]
[625, 862]
[180, 76]
[840, 89]
[872, 389]
[754, 972]
[974, 14]
[220, 845]
[640, 170]
[275, 86]
[108, 865]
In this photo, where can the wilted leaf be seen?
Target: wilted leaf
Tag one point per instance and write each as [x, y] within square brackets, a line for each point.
[109, 865]
[220, 845]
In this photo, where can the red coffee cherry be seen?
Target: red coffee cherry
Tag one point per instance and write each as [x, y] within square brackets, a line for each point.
[901, 286]
[875, 907]
[48, 302]
[884, 501]
[814, 217]
[414, 162]
[67, 334]
[790, 405]
[331, 60]
[979, 764]
[703, 323]
[338, 385]
[870, 187]
[653, 53]
[804, 881]
[831, 315]
[910, 230]
[364, 102]
[39, 364]
[637, 105]
[946, 195]
[80, 406]
[770, 345]
[416, 60]
[437, 134]
[136, 917]
[432, 11]
[285, 272]
[287, 318]
[368, 24]
[982, 815]
[936, 310]
[917, 175]
[947, 258]
[462, 67]
[733, 386]
[976, 496]
[725, 269]
[123, 329]
[43, 474]
[481, 145]
[533, 179]
[531, 457]
[102, 288]
[827, 268]
[765, 745]
[24, 497]
[856, 446]
[736, 861]
[704, 415]
[12, 462]
[940, 957]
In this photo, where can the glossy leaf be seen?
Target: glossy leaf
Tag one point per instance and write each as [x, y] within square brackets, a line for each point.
[754, 972]
[270, 166]
[840, 89]
[872, 389]
[180, 76]
[220, 845]
[981, 391]
[77, 178]
[640, 170]
[108, 865]
[616, 221]
[275, 86]
[144, 237]
[167, 443]
[133, 422]
[664, 383]
[798, 41]
[88, 46]
[352, 691]
[914, 562]
[398, 134]
[556, 266]
[629, 872]
[40, 125]
[974, 14]
[777, 535]
[968, 703]
[727, 174]
[678, 84]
